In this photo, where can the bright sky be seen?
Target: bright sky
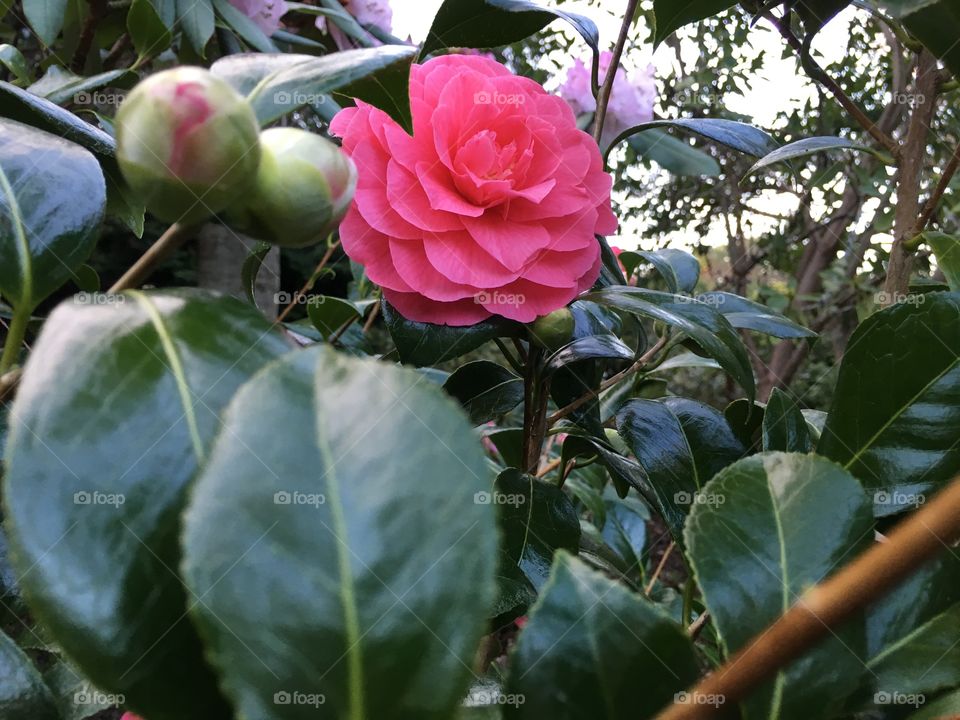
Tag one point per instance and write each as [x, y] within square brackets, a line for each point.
[776, 87]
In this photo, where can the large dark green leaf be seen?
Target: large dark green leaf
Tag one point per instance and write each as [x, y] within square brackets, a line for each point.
[672, 154]
[680, 444]
[329, 314]
[348, 557]
[52, 199]
[536, 520]
[895, 418]
[674, 14]
[779, 523]
[485, 390]
[244, 71]
[936, 23]
[25, 107]
[492, 23]
[625, 530]
[23, 694]
[746, 314]
[593, 649]
[425, 344]
[739, 136]
[700, 322]
[784, 427]
[376, 75]
[119, 403]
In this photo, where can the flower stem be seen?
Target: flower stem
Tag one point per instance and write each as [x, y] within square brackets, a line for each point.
[15, 335]
[603, 99]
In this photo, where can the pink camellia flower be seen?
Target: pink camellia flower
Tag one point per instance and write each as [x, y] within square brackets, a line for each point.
[130, 716]
[490, 208]
[631, 99]
[265, 13]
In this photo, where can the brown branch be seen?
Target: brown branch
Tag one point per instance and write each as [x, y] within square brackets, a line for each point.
[660, 566]
[934, 200]
[917, 540]
[603, 97]
[593, 394]
[98, 10]
[9, 382]
[818, 74]
[310, 281]
[175, 236]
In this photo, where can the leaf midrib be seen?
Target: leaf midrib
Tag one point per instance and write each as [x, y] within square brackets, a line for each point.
[23, 246]
[348, 599]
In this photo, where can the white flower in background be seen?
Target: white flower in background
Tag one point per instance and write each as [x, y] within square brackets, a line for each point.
[265, 13]
[631, 100]
[367, 12]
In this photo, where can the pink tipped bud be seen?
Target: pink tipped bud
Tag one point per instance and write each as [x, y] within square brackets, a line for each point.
[187, 143]
[303, 188]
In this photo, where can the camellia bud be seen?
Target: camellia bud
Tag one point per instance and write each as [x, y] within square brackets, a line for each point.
[303, 188]
[187, 143]
[555, 330]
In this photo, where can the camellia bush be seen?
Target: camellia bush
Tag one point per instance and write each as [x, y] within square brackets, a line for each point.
[502, 508]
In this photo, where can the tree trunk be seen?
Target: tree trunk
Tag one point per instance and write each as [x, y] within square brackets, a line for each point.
[221, 253]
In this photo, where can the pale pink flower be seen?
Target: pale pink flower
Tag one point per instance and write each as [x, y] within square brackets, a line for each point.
[366, 12]
[265, 13]
[631, 100]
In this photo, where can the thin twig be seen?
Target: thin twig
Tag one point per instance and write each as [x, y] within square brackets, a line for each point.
[921, 537]
[549, 467]
[9, 382]
[310, 281]
[818, 74]
[605, 385]
[370, 320]
[697, 625]
[931, 205]
[603, 98]
[660, 566]
[175, 236]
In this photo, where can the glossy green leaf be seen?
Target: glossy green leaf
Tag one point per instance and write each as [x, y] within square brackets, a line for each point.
[64, 87]
[492, 23]
[536, 520]
[738, 136]
[196, 19]
[425, 344]
[806, 147]
[625, 530]
[746, 420]
[673, 155]
[376, 75]
[593, 649]
[946, 707]
[15, 62]
[895, 416]
[25, 107]
[362, 572]
[149, 33]
[700, 322]
[485, 390]
[133, 383]
[23, 694]
[784, 427]
[509, 443]
[746, 314]
[778, 523]
[591, 347]
[75, 697]
[244, 71]
[672, 15]
[679, 269]
[46, 17]
[680, 444]
[625, 472]
[329, 314]
[52, 200]
[946, 248]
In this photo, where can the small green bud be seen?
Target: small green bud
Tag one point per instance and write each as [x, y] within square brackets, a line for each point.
[303, 188]
[553, 331]
[187, 143]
